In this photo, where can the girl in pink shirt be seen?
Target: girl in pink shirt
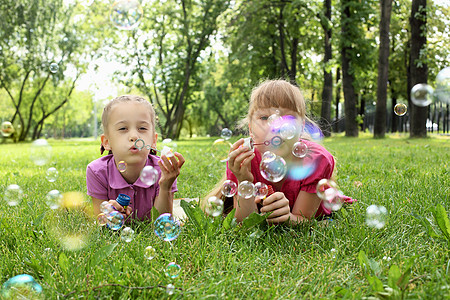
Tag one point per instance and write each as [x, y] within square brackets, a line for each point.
[126, 119]
[293, 198]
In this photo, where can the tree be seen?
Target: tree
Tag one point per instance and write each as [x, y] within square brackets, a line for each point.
[383, 69]
[418, 68]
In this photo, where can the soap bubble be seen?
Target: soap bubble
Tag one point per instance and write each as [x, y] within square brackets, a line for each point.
[115, 220]
[400, 109]
[272, 167]
[40, 152]
[13, 195]
[301, 171]
[127, 234]
[226, 134]
[21, 287]
[214, 206]
[376, 216]
[122, 166]
[126, 14]
[149, 252]
[334, 204]
[106, 207]
[326, 189]
[51, 174]
[54, 67]
[220, 149]
[229, 188]
[7, 129]
[149, 175]
[246, 189]
[275, 121]
[170, 289]
[261, 190]
[422, 94]
[53, 199]
[442, 91]
[299, 149]
[170, 143]
[167, 152]
[313, 131]
[173, 270]
[166, 227]
[71, 223]
[102, 220]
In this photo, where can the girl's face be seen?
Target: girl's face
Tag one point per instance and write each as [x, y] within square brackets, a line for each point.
[127, 122]
[280, 133]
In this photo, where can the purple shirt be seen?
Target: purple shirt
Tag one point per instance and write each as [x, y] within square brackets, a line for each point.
[105, 182]
[318, 164]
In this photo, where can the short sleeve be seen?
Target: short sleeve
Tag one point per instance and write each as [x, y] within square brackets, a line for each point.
[96, 186]
[324, 165]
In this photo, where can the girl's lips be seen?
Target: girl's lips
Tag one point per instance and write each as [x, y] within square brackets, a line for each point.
[134, 150]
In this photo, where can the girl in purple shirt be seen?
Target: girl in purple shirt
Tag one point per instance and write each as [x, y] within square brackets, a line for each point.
[294, 197]
[126, 119]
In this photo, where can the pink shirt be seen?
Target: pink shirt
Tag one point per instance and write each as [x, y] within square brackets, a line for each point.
[318, 164]
[105, 182]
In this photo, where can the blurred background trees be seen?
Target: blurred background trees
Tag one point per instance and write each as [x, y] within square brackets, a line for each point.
[198, 60]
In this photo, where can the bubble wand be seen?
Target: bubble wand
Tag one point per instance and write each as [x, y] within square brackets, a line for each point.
[166, 151]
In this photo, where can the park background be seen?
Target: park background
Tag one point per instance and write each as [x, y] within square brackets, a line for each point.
[197, 62]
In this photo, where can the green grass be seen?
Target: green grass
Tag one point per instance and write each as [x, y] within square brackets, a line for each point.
[408, 176]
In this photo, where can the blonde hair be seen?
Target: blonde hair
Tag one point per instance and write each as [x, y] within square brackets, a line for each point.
[127, 98]
[269, 93]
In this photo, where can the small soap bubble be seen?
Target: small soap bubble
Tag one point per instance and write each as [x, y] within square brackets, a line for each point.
[167, 152]
[71, 223]
[127, 234]
[400, 109]
[229, 188]
[334, 204]
[51, 174]
[214, 206]
[173, 270]
[7, 129]
[220, 149]
[246, 189]
[299, 149]
[54, 67]
[226, 134]
[21, 287]
[115, 220]
[13, 195]
[106, 207]
[166, 227]
[102, 220]
[422, 95]
[261, 190]
[272, 167]
[170, 289]
[40, 152]
[170, 143]
[149, 175]
[326, 189]
[126, 14]
[376, 216]
[121, 166]
[53, 199]
[149, 253]
[442, 91]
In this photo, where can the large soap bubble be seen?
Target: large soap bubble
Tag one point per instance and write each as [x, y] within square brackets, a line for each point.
[442, 90]
[40, 152]
[272, 167]
[261, 190]
[226, 134]
[326, 189]
[166, 227]
[214, 206]
[220, 149]
[114, 220]
[7, 129]
[51, 174]
[13, 195]
[126, 14]
[422, 95]
[127, 234]
[21, 287]
[229, 188]
[246, 189]
[376, 216]
[149, 175]
[173, 270]
[400, 109]
[53, 199]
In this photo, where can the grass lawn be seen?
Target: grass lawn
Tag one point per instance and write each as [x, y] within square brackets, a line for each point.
[408, 258]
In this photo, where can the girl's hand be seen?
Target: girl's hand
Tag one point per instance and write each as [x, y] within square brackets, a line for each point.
[119, 208]
[278, 204]
[239, 161]
[170, 169]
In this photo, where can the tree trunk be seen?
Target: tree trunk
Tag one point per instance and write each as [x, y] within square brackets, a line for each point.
[338, 99]
[351, 125]
[379, 130]
[418, 67]
[327, 92]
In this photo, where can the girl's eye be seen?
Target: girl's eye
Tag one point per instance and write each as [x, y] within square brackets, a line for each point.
[143, 128]
[264, 118]
[122, 128]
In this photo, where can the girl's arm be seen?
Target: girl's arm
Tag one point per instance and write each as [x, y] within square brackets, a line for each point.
[305, 207]
[244, 207]
[170, 169]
